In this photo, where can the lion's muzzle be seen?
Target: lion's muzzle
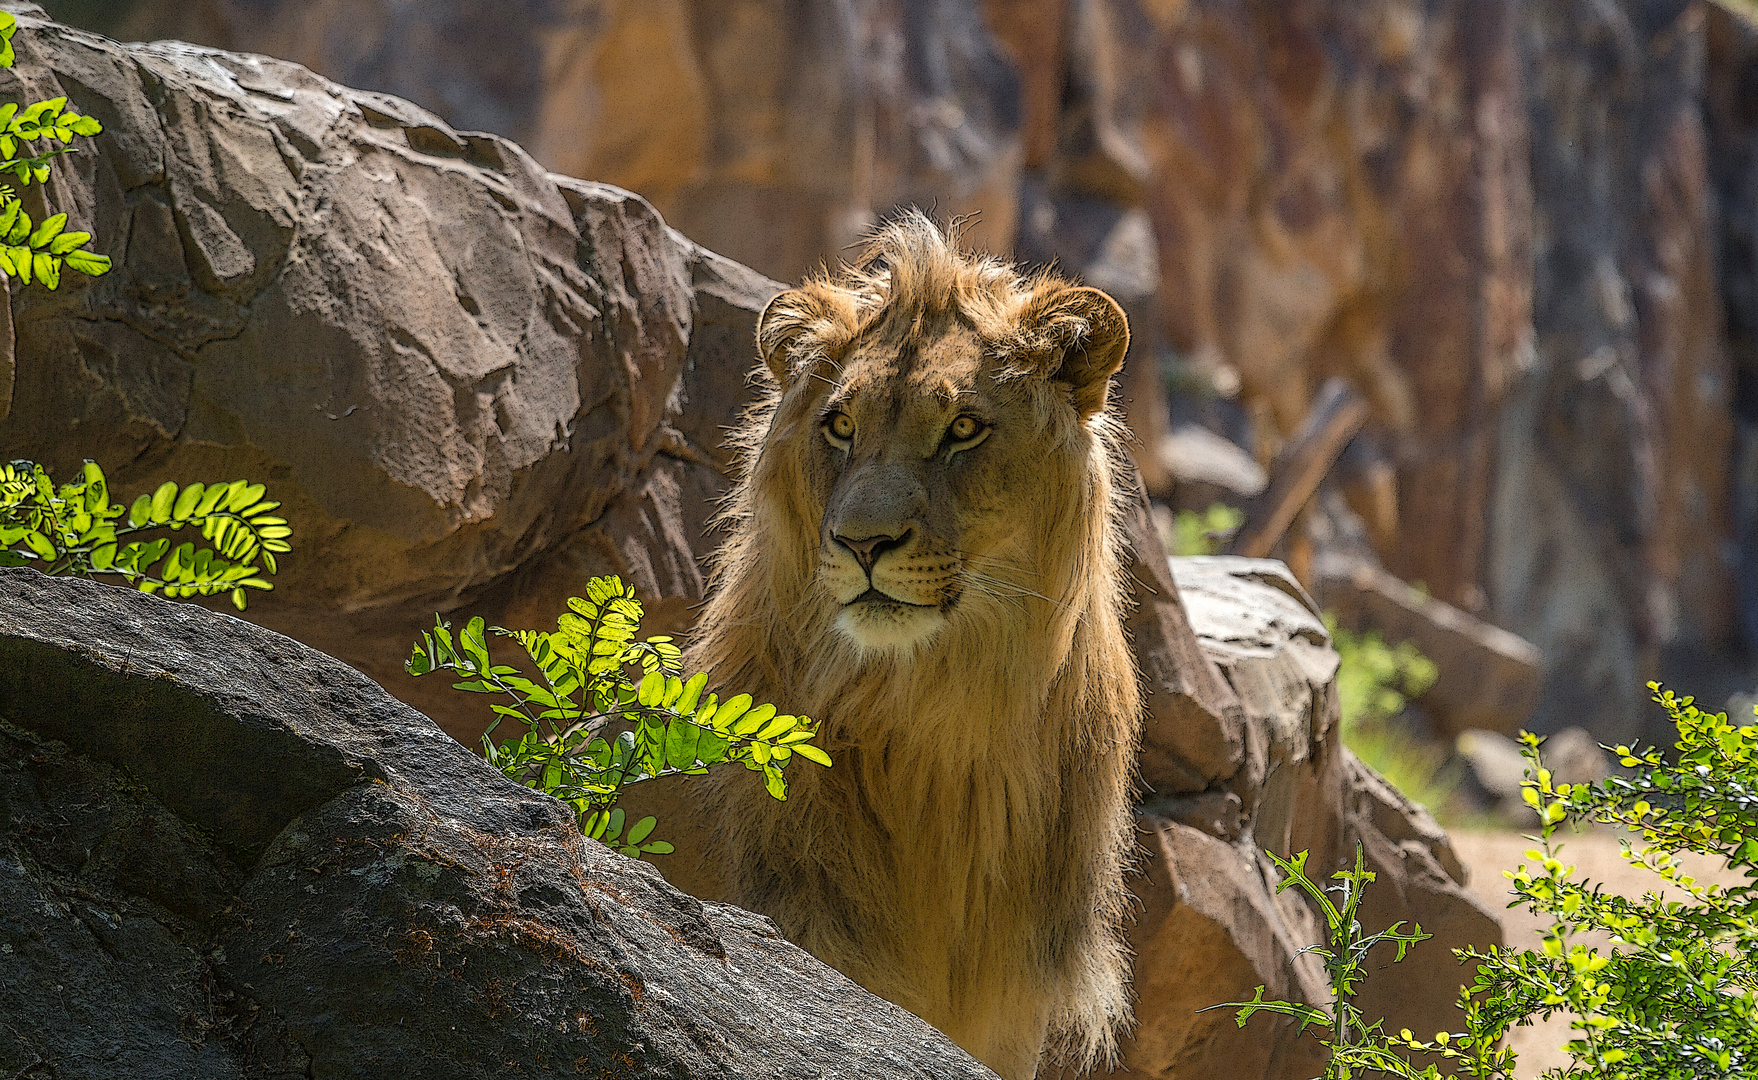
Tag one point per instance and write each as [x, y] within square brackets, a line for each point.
[894, 583]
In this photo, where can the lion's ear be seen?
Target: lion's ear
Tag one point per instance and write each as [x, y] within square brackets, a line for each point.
[785, 319]
[1091, 334]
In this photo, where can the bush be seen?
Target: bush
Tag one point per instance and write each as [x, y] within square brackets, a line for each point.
[75, 530]
[1205, 533]
[1675, 997]
[587, 683]
[1374, 684]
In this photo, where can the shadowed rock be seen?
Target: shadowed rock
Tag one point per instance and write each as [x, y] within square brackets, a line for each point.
[228, 855]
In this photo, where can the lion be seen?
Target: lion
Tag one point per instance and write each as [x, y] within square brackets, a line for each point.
[925, 554]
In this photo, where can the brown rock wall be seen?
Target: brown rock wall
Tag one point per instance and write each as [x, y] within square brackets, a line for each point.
[1339, 190]
[1610, 513]
[768, 131]
[1278, 191]
[1207, 891]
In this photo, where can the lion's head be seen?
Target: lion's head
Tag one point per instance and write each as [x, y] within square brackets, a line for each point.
[924, 555]
[934, 412]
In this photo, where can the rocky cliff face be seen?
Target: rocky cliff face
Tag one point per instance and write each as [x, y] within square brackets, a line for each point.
[1495, 218]
[476, 383]
[1732, 115]
[1611, 510]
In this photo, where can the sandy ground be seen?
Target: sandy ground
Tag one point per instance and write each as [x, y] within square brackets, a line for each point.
[1596, 857]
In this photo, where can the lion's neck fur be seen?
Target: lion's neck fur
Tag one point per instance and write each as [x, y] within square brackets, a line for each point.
[963, 855]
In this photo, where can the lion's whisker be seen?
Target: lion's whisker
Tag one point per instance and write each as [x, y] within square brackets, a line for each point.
[989, 584]
[999, 564]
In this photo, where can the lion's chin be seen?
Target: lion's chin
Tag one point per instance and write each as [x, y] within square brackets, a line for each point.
[891, 627]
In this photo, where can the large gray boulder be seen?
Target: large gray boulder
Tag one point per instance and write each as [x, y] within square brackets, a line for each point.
[223, 854]
[470, 381]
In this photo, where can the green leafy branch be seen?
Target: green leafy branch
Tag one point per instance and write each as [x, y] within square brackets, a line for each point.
[27, 249]
[585, 684]
[75, 530]
[1675, 997]
[1677, 994]
[1353, 1040]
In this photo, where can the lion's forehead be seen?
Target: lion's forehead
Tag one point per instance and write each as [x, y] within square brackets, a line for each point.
[927, 384]
[930, 372]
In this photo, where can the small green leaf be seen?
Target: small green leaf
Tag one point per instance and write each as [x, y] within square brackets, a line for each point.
[36, 111]
[210, 498]
[641, 829]
[776, 727]
[244, 495]
[692, 694]
[21, 227]
[681, 738]
[87, 263]
[751, 721]
[730, 710]
[710, 748]
[47, 268]
[48, 230]
[651, 689]
[67, 241]
[163, 500]
[774, 783]
[812, 753]
[186, 503]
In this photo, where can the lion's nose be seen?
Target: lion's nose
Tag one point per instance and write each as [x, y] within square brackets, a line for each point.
[868, 549]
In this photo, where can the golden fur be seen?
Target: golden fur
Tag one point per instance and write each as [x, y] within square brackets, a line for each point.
[950, 608]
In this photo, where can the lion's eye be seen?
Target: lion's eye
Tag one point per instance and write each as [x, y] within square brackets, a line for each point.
[839, 427]
[965, 428]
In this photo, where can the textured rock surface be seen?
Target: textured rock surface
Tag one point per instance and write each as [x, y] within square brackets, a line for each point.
[1208, 896]
[767, 131]
[1611, 497]
[1731, 112]
[471, 382]
[225, 855]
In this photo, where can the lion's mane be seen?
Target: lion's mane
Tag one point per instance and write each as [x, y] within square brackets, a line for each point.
[965, 855]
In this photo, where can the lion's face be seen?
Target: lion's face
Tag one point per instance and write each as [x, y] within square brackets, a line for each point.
[942, 454]
[921, 465]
